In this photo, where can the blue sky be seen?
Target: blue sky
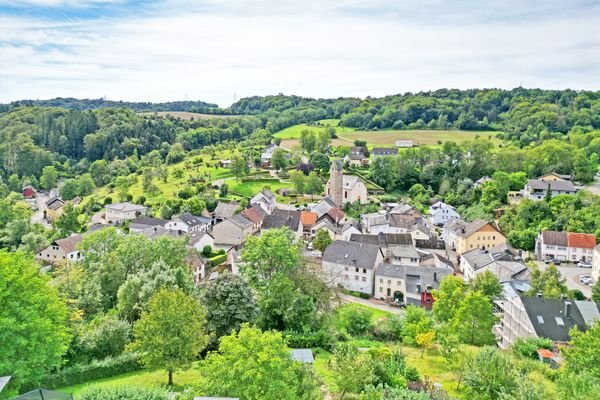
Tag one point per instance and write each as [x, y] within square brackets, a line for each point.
[218, 50]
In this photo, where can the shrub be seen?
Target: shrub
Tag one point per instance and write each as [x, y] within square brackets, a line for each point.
[218, 260]
[107, 200]
[355, 321]
[97, 369]
[527, 348]
[388, 329]
[123, 393]
[322, 338]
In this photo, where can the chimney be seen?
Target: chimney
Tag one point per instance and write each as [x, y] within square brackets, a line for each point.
[568, 305]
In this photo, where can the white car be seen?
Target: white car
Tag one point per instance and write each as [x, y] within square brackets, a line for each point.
[585, 279]
[310, 246]
[584, 264]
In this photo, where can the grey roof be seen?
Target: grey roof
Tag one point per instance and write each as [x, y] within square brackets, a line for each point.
[431, 243]
[226, 210]
[55, 203]
[240, 221]
[323, 206]
[383, 239]
[69, 244]
[353, 254]
[4, 381]
[360, 156]
[555, 238]
[404, 251]
[192, 220]
[414, 276]
[553, 322]
[590, 311]
[281, 218]
[352, 223]
[383, 151]
[125, 207]
[403, 221]
[197, 236]
[303, 355]
[143, 222]
[466, 229]
[541, 184]
[153, 232]
[404, 209]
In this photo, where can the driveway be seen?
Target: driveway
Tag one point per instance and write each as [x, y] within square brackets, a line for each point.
[571, 272]
[594, 187]
[377, 304]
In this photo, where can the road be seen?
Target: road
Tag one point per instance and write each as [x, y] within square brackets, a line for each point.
[594, 187]
[38, 216]
[572, 273]
[379, 305]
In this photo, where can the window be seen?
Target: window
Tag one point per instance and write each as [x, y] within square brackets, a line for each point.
[380, 280]
[345, 195]
[356, 269]
[389, 281]
[540, 320]
[559, 321]
[364, 270]
[364, 278]
[380, 289]
[398, 283]
[355, 277]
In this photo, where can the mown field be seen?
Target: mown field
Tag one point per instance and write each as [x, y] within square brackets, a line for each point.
[293, 132]
[420, 137]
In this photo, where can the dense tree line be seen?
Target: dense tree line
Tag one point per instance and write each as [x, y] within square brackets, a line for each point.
[138, 106]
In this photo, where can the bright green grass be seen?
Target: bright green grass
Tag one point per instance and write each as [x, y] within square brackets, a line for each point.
[376, 314]
[387, 138]
[250, 188]
[293, 132]
[145, 378]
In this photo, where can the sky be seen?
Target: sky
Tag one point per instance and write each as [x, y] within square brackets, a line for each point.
[222, 50]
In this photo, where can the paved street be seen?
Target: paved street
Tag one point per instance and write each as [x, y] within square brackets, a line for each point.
[38, 216]
[572, 273]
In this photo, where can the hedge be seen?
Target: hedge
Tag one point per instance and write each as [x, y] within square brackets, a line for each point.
[97, 369]
[218, 260]
[304, 340]
[357, 294]
[252, 179]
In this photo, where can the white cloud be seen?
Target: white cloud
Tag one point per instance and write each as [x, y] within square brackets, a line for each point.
[314, 49]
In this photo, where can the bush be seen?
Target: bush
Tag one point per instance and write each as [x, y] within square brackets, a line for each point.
[527, 348]
[322, 338]
[79, 373]
[123, 393]
[218, 260]
[107, 200]
[388, 329]
[355, 321]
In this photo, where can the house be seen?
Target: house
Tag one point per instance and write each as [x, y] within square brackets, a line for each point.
[224, 211]
[479, 234]
[267, 154]
[405, 209]
[404, 255]
[224, 163]
[565, 246]
[384, 151]
[375, 223]
[323, 206]
[308, 220]
[481, 181]
[357, 157]
[142, 223]
[408, 284]
[61, 249]
[385, 241]
[351, 265]
[596, 262]
[188, 223]
[54, 208]
[344, 189]
[154, 232]
[266, 200]
[199, 240]
[197, 264]
[232, 231]
[530, 317]
[503, 263]
[350, 227]
[441, 213]
[326, 224]
[537, 189]
[29, 192]
[256, 215]
[404, 143]
[284, 218]
[126, 211]
[553, 176]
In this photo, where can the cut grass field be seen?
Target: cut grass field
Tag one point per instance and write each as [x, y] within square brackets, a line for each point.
[420, 137]
[293, 132]
[250, 188]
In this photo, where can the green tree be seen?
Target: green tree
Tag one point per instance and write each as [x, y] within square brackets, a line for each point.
[99, 172]
[596, 291]
[416, 320]
[314, 185]
[490, 374]
[448, 298]
[123, 393]
[353, 369]
[322, 140]
[85, 185]
[474, 320]
[299, 182]
[68, 222]
[255, 365]
[321, 240]
[34, 336]
[549, 283]
[49, 177]
[583, 354]
[69, 189]
[239, 166]
[229, 302]
[308, 141]
[171, 333]
[122, 185]
[278, 159]
[488, 284]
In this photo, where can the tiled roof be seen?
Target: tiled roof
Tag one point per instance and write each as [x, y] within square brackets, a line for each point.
[563, 186]
[402, 221]
[125, 207]
[336, 214]
[549, 319]
[308, 218]
[192, 220]
[554, 238]
[383, 239]
[255, 213]
[581, 240]
[226, 210]
[241, 222]
[382, 151]
[281, 218]
[148, 221]
[55, 203]
[70, 243]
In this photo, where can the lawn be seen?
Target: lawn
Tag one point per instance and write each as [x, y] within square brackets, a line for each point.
[250, 188]
[293, 132]
[376, 314]
[146, 378]
[421, 137]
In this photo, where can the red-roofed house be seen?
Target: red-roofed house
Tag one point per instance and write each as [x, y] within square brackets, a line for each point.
[565, 246]
[308, 219]
[29, 192]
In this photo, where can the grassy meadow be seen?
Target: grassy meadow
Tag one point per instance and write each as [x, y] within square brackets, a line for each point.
[420, 137]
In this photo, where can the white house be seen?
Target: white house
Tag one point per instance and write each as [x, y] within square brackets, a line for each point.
[536, 189]
[61, 250]
[188, 223]
[351, 265]
[266, 200]
[126, 211]
[501, 262]
[140, 224]
[345, 188]
[267, 154]
[441, 213]
[404, 143]
[375, 223]
[348, 229]
[233, 231]
[565, 246]
[596, 262]
[199, 240]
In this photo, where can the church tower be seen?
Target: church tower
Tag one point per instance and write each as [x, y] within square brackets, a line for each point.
[335, 184]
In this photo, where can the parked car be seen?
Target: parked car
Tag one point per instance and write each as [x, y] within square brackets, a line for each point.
[554, 261]
[585, 279]
[584, 264]
[310, 246]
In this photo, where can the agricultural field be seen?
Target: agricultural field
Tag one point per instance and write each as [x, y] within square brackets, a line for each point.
[421, 137]
[187, 115]
[293, 132]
